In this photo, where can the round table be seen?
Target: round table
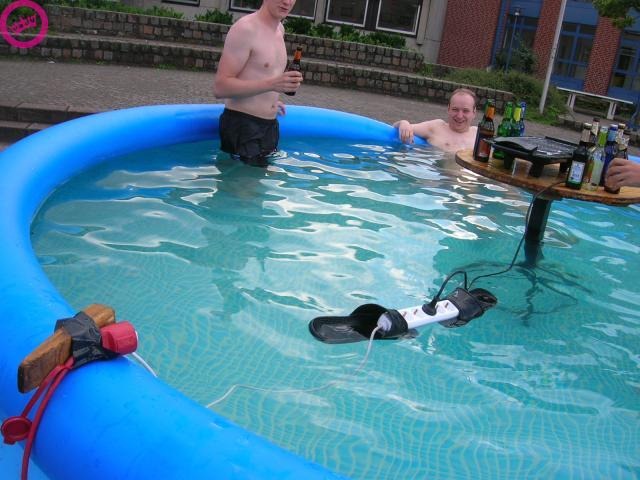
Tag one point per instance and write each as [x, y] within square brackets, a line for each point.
[519, 177]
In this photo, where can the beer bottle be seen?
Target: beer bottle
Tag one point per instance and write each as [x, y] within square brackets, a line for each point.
[515, 125]
[595, 128]
[579, 160]
[486, 130]
[504, 129]
[523, 109]
[591, 180]
[623, 143]
[294, 66]
[610, 150]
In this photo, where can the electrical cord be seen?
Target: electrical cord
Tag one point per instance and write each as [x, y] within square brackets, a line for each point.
[298, 390]
[513, 260]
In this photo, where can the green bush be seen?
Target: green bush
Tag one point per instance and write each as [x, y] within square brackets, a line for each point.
[163, 11]
[323, 30]
[215, 16]
[386, 39]
[348, 33]
[298, 26]
[524, 87]
[522, 59]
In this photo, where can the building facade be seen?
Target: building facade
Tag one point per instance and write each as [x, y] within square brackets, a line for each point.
[592, 55]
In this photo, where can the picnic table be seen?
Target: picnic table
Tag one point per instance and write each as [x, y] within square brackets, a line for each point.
[613, 102]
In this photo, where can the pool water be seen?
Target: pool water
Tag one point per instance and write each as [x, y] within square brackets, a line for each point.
[221, 266]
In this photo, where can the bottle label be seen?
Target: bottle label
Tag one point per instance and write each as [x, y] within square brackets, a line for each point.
[484, 149]
[575, 174]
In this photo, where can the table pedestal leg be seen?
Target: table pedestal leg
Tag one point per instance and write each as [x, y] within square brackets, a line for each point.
[534, 231]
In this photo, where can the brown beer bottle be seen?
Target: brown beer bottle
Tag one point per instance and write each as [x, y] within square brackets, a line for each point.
[580, 159]
[486, 130]
[294, 66]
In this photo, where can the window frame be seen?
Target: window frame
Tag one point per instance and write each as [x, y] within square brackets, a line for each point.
[341, 22]
[414, 32]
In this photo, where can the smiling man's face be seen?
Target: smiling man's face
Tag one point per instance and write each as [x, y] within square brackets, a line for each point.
[462, 112]
[279, 8]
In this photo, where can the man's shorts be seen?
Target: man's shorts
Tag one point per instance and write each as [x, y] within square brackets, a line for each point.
[250, 138]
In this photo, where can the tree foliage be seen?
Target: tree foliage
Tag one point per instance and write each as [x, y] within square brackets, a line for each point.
[623, 12]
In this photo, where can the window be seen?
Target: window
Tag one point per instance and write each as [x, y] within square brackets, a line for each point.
[194, 3]
[398, 16]
[522, 30]
[574, 48]
[352, 12]
[245, 5]
[626, 73]
[304, 8]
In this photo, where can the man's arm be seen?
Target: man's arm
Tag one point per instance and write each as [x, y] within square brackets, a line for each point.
[235, 56]
[407, 130]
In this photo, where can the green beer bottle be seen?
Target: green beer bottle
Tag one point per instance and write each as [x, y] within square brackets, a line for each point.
[505, 128]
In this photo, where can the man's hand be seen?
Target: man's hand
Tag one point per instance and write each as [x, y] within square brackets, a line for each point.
[281, 108]
[405, 131]
[622, 172]
[288, 82]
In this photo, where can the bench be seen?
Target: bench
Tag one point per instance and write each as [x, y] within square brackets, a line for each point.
[613, 102]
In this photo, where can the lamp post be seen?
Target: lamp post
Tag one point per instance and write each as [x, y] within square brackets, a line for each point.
[552, 56]
[516, 14]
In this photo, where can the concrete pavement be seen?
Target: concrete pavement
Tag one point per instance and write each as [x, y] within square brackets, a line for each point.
[99, 87]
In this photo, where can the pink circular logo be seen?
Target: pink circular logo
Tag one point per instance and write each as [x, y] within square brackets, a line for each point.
[23, 23]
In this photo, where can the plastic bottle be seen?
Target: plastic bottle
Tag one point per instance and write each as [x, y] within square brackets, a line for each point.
[591, 180]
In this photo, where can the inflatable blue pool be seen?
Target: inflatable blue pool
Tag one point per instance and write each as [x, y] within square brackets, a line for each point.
[114, 419]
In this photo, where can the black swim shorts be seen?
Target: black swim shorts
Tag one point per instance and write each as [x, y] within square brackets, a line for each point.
[250, 138]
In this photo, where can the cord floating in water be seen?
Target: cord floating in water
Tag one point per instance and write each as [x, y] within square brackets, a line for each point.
[298, 390]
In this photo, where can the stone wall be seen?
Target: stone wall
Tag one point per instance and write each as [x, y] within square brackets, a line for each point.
[162, 29]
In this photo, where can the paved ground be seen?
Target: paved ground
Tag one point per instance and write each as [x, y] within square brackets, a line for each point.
[105, 87]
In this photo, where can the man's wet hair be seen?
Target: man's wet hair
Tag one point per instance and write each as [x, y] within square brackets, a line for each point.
[465, 91]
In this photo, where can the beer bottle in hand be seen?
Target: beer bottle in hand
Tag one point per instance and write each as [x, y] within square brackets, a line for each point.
[294, 66]
[486, 130]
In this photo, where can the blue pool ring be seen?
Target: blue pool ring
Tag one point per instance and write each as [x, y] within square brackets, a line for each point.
[113, 420]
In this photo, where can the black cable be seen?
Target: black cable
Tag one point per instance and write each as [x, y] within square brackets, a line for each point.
[515, 256]
[430, 309]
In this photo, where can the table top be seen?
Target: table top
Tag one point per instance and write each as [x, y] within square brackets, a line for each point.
[550, 175]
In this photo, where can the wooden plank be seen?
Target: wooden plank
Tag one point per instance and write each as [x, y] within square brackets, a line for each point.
[56, 349]
[550, 175]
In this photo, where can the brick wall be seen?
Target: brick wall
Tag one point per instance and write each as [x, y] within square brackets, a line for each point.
[543, 42]
[603, 57]
[469, 32]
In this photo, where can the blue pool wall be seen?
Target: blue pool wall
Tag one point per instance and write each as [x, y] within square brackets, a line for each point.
[113, 419]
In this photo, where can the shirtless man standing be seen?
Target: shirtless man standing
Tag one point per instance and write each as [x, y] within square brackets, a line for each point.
[250, 78]
[451, 136]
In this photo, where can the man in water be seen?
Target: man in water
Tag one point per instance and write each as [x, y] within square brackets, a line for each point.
[250, 78]
[451, 136]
